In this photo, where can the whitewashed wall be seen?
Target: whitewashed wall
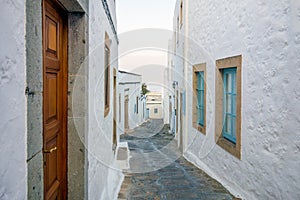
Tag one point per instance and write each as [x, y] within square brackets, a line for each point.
[130, 84]
[178, 69]
[103, 178]
[13, 168]
[267, 35]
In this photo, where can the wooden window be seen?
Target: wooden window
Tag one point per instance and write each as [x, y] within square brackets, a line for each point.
[228, 104]
[181, 14]
[106, 75]
[177, 31]
[199, 100]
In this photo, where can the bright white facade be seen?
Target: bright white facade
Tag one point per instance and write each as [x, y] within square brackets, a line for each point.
[154, 105]
[13, 167]
[91, 171]
[130, 102]
[266, 35]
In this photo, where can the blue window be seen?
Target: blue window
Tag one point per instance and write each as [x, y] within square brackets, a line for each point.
[200, 97]
[229, 104]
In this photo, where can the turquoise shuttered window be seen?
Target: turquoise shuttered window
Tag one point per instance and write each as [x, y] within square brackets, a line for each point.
[229, 104]
[200, 97]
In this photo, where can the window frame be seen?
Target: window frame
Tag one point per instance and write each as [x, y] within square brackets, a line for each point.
[155, 110]
[222, 65]
[197, 69]
[106, 75]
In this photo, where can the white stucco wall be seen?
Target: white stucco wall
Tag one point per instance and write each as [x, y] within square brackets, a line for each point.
[130, 84]
[13, 170]
[103, 178]
[267, 35]
[177, 68]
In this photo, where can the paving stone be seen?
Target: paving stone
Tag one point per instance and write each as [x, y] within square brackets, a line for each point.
[178, 179]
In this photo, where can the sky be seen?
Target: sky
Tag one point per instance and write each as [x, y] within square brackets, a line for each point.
[134, 15]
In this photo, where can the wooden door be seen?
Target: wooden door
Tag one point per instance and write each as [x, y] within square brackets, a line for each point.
[176, 112]
[126, 124]
[115, 112]
[54, 100]
[181, 126]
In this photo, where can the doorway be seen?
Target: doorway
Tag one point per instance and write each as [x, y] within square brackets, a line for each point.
[181, 124]
[126, 124]
[115, 112]
[55, 41]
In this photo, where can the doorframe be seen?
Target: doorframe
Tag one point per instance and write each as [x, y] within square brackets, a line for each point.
[181, 126]
[114, 141]
[77, 20]
[126, 113]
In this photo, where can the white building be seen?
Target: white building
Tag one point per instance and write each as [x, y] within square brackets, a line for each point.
[154, 109]
[247, 52]
[131, 103]
[168, 90]
[58, 87]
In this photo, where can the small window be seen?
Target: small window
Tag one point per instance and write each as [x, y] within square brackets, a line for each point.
[155, 110]
[106, 75]
[200, 97]
[228, 104]
[199, 100]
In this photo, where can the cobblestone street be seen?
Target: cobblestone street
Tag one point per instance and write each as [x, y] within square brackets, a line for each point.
[158, 171]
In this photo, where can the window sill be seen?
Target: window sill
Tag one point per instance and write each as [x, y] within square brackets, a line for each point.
[106, 111]
[201, 129]
[230, 147]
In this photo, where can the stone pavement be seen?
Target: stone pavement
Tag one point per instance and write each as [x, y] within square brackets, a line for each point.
[158, 171]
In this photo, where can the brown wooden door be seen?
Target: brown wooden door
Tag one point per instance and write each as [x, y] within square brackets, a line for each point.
[115, 113]
[126, 124]
[181, 126]
[54, 100]
[176, 112]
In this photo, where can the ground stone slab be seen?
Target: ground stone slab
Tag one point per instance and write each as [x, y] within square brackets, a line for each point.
[178, 179]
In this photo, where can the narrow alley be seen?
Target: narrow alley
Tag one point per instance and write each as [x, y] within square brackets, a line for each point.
[178, 180]
[139, 99]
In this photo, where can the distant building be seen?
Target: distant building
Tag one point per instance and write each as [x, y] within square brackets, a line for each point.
[154, 105]
[131, 104]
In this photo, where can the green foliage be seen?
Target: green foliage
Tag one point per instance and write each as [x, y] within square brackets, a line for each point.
[144, 89]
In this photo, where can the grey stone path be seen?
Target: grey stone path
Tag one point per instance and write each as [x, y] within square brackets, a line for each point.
[157, 171]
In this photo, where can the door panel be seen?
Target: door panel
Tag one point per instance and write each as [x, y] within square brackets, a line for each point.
[115, 112]
[54, 98]
[126, 124]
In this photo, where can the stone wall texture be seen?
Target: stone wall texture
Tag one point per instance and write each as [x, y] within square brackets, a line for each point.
[13, 169]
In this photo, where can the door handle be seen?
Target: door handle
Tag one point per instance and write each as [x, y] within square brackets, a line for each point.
[51, 150]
